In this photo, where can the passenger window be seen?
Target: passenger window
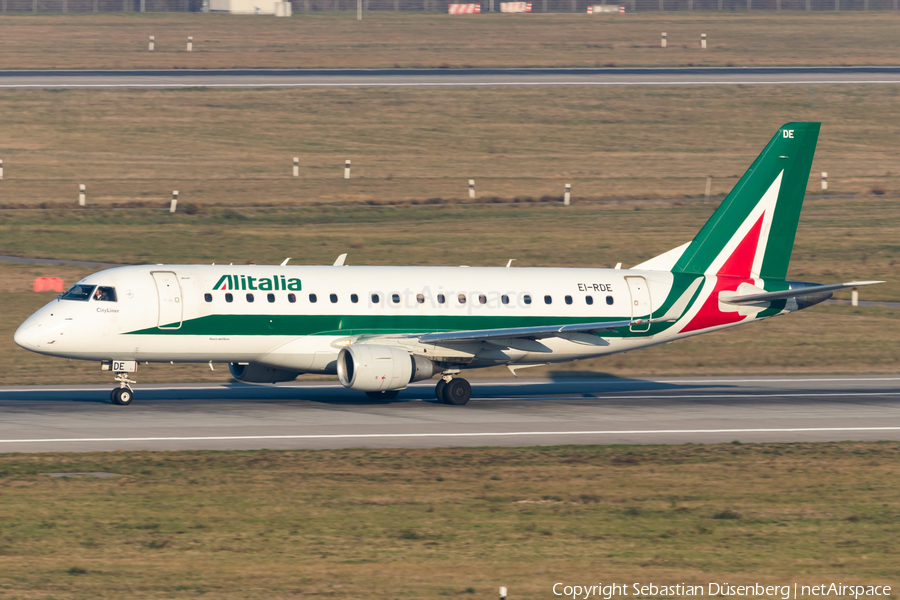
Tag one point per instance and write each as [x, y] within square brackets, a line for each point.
[420, 298]
[526, 299]
[249, 297]
[292, 298]
[441, 298]
[589, 300]
[609, 300]
[81, 293]
[207, 297]
[548, 300]
[568, 299]
[482, 299]
[375, 299]
[333, 298]
[354, 298]
[270, 297]
[395, 298]
[229, 298]
[461, 298]
[504, 299]
[105, 294]
[312, 298]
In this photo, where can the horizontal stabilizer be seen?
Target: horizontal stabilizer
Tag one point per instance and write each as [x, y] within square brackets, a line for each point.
[797, 292]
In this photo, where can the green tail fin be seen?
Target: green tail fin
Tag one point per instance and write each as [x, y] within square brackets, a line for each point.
[752, 232]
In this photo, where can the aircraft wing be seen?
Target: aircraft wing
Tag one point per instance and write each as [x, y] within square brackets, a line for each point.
[545, 331]
[803, 291]
[542, 331]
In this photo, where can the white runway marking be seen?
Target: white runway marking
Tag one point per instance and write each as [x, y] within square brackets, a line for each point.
[447, 435]
[699, 396]
[441, 84]
[699, 381]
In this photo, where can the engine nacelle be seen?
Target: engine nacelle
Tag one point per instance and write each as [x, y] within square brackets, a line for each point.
[257, 373]
[374, 368]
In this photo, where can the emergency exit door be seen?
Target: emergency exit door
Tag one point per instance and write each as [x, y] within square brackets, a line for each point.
[641, 307]
[170, 300]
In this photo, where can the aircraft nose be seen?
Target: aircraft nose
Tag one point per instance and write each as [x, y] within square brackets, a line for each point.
[27, 336]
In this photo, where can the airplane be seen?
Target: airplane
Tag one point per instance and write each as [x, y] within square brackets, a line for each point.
[381, 328]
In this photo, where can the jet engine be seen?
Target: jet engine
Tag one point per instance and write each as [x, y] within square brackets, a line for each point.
[257, 373]
[374, 368]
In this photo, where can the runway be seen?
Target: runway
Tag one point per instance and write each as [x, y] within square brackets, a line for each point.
[311, 78]
[588, 410]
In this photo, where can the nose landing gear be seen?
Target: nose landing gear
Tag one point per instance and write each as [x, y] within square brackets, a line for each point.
[122, 395]
[453, 390]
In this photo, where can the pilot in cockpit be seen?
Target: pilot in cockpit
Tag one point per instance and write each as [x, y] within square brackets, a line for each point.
[103, 294]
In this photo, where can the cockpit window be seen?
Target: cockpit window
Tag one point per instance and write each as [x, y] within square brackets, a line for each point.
[79, 292]
[105, 294]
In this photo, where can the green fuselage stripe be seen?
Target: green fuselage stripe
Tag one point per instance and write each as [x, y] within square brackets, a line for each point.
[299, 325]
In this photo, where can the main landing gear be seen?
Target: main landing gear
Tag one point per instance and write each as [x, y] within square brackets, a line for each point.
[453, 390]
[122, 395]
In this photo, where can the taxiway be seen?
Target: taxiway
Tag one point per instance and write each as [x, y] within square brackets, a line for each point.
[587, 410]
[288, 78]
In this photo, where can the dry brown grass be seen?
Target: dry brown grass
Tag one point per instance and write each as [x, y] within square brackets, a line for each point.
[433, 523]
[236, 147]
[382, 39]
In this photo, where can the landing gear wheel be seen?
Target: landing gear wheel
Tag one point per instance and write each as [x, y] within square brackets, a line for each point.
[388, 395]
[439, 390]
[457, 392]
[122, 396]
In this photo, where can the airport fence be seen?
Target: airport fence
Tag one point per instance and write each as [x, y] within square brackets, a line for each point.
[538, 6]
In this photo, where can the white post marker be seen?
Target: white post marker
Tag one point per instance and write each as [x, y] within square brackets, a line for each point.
[190, 47]
[502, 593]
[824, 180]
[854, 297]
[471, 188]
[174, 204]
[296, 166]
[663, 43]
[152, 43]
[81, 191]
[703, 41]
[567, 196]
[1, 169]
[346, 169]
[708, 187]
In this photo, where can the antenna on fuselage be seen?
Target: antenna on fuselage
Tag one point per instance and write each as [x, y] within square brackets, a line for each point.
[340, 261]
[284, 264]
[509, 264]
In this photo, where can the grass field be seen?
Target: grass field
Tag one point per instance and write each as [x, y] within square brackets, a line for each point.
[838, 240]
[383, 39]
[236, 148]
[454, 522]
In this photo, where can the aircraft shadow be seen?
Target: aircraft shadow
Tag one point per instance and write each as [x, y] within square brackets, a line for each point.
[588, 385]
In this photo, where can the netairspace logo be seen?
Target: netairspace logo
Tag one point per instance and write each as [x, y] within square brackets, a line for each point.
[784, 592]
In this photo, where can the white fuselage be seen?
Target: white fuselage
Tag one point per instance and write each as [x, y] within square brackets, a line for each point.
[181, 313]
